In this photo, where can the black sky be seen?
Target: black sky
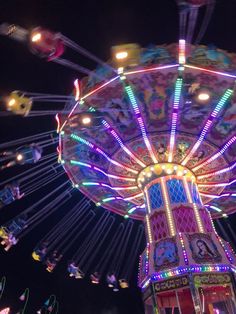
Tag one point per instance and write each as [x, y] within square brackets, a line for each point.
[96, 25]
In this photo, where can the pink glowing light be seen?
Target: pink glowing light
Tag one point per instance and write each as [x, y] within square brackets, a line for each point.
[77, 89]
[182, 58]
[210, 71]
[151, 69]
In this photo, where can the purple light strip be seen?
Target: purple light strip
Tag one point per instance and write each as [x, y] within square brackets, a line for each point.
[78, 163]
[115, 188]
[214, 157]
[122, 145]
[210, 174]
[139, 118]
[208, 124]
[217, 196]
[216, 184]
[100, 151]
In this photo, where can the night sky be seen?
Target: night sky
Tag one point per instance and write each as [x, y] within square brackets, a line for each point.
[96, 26]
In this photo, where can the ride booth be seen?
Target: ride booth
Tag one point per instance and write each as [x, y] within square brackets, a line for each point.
[186, 267]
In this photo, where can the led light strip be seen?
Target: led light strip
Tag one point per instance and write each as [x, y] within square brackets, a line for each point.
[149, 229]
[199, 222]
[178, 88]
[139, 118]
[122, 145]
[210, 174]
[190, 269]
[210, 71]
[195, 209]
[224, 248]
[217, 184]
[214, 207]
[149, 209]
[133, 209]
[105, 200]
[214, 157]
[189, 196]
[79, 163]
[115, 188]
[151, 69]
[182, 58]
[133, 197]
[100, 151]
[183, 248]
[89, 94]
[168, 210]
[208, 124]
[217, 196]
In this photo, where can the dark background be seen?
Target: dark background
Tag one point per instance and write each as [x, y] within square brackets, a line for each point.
[95, 25]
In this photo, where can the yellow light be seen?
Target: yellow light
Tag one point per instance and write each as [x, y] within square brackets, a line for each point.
[179, 173]
[19, 157]
[121, 55]
[169, 171]
[149, 174]
[11, 102]
[86, 120]
[149, 229]
[203, 97]
[36, 37]
[199, 223]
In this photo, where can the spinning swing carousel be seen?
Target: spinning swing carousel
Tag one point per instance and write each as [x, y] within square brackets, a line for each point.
[151, 136]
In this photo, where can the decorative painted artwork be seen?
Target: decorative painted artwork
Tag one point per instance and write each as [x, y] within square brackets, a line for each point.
[203, 248]
[165, 254]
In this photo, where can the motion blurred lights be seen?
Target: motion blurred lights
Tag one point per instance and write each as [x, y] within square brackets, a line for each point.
[121, 55]
[95, 278]
[19, 157]
[124, 283]
[5, 311]
[11, 102]
[36, 37]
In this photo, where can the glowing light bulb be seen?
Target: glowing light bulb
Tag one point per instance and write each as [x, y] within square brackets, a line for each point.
[19, 157]
[11, 102]
[86, 120]
[203, 97]
[121, 55]
[36, 37]
[180, 173]
[169, 171]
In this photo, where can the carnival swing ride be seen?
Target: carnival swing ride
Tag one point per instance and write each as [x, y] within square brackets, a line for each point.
[149, 135]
